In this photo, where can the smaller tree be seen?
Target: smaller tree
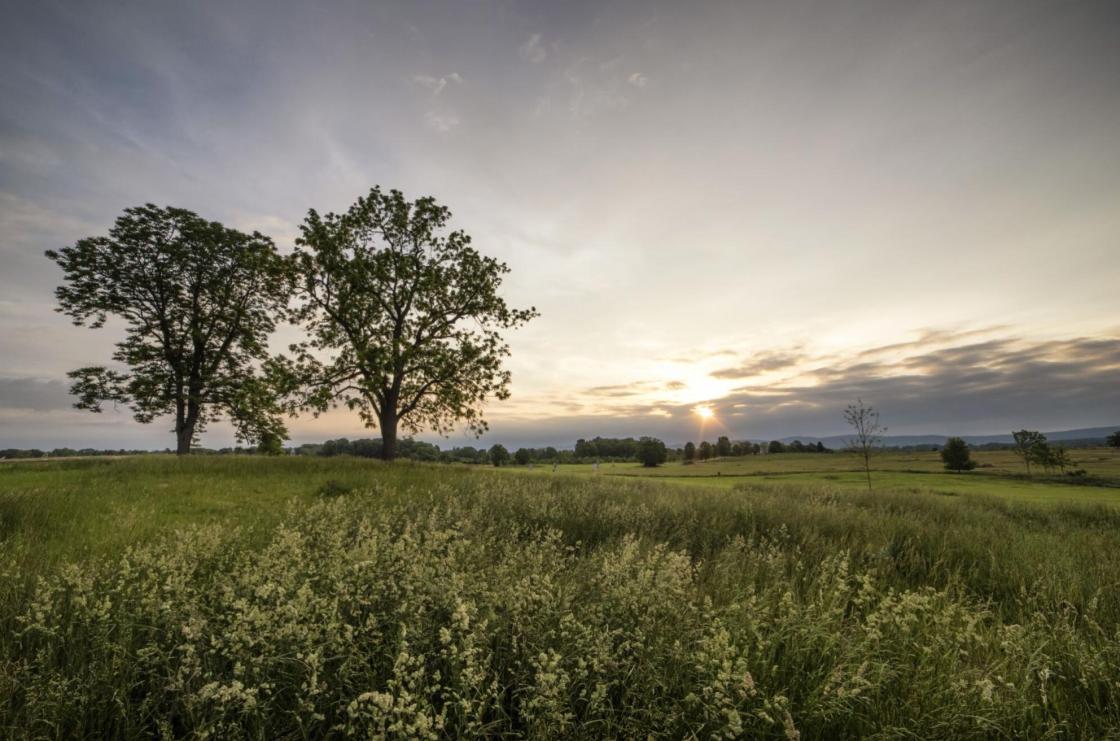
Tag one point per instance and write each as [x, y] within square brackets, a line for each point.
[723, 446]
[1028, 445]
[499, 456]
[1113, 440]
[957, 456]
[522, 456]
[704, 452]
[651, 452]
[1043, 455]
[776, 447]
[864, 420]
[270, 444]
[689, 452]
[1062, 459]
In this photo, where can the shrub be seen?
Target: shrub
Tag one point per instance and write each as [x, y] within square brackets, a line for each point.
[957, 456]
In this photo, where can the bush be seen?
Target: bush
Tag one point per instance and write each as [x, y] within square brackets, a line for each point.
[957, 456]
[333, 488]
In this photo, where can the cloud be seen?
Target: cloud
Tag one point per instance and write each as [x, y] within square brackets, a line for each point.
[35, 394]
[532, 50]
[963, 384]
[620, 390]
[437, 84]
[441, 122]
[762, 363]
[638, 80]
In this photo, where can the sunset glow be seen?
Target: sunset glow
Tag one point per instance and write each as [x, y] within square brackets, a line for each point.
[707, 220]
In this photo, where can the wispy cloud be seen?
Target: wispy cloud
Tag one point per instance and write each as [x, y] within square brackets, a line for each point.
[638, 80]
[533, 50]
[759, 364]
[437, 84]
[441, 122]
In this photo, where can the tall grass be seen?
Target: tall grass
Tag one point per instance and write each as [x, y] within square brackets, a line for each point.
[428, 603]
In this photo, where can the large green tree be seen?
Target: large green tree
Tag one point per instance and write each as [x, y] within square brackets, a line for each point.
[409, 314]
[198, 301]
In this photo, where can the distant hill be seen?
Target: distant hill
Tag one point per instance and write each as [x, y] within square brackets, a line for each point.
[1086, 435]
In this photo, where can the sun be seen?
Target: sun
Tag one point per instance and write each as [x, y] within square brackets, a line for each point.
[704, 412]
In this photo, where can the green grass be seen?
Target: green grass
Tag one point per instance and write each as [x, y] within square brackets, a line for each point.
[292, 598]
[999, 473]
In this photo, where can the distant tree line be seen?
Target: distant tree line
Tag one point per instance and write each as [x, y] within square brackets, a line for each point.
[607, 449]
[777, 446]
[64, 452]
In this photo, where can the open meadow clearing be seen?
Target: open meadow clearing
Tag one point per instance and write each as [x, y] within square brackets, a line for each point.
[293, 597]
[998, 473]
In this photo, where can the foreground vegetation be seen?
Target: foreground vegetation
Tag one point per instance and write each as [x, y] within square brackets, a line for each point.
[298, 598]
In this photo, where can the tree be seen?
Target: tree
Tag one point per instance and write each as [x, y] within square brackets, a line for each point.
[499, 456]
[1027, 444]
[198, 301]
[1113, 440]
[864, 420]
[651, 452]
[270, 444]
[704, 452]
[723, 446]
[523, 456]
[1060, 457]
[957, 456]
[411, 314]
[689, 452]
[776, 446]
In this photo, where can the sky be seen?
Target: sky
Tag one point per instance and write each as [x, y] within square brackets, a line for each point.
[768, 208]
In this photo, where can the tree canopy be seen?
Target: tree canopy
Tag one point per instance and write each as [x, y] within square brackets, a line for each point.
[652, 452]
[499, 455]
[410, 314]
[198, 301]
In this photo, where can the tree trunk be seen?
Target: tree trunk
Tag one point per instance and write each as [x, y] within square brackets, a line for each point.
[182, 434]
[184, 427]
[389, 435]
[183, 438]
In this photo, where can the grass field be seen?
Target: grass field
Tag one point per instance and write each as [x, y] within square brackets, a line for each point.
[999, 473]
[297, 598]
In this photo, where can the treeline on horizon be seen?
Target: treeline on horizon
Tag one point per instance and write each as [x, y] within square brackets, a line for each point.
[622, 450]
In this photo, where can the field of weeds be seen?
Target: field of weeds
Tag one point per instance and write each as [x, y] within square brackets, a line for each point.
[300, 599]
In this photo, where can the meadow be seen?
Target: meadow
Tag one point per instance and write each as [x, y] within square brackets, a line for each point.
[998, 473]
[300, 598]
